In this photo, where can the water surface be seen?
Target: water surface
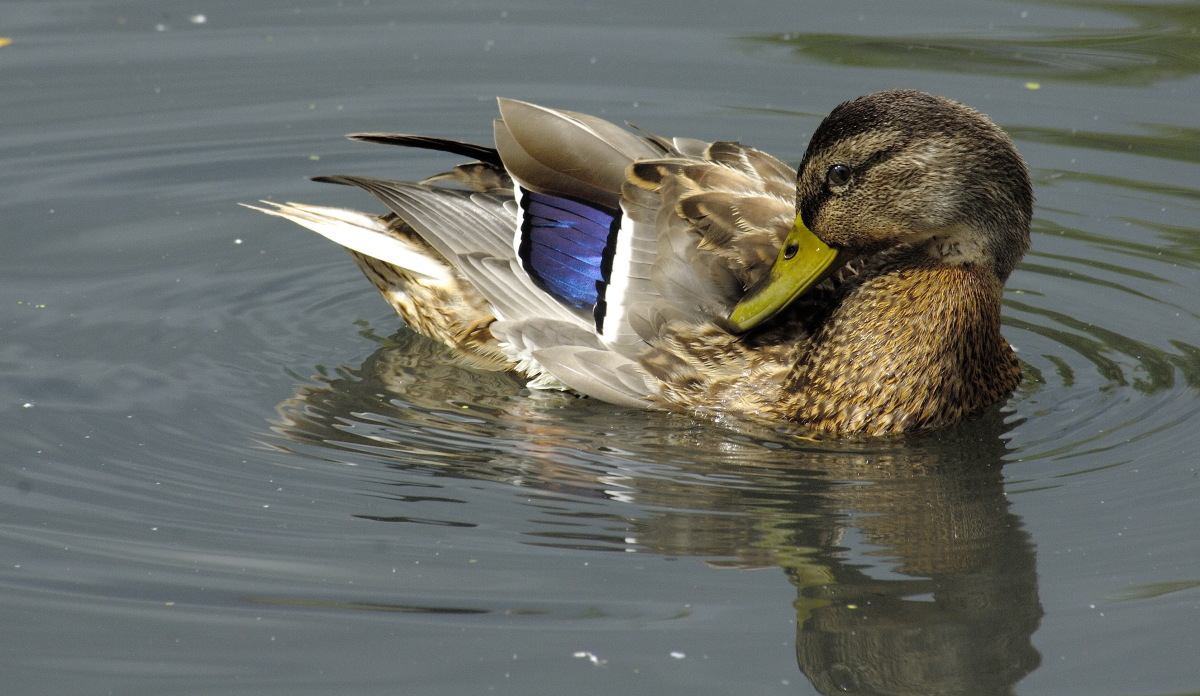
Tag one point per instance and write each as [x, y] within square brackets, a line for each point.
[229, 469]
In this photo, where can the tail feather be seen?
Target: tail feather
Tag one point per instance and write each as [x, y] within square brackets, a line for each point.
[366, 234]
[426, 142]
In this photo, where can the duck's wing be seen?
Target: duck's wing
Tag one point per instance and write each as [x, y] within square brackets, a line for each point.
[691, 224]
[473, 232]
[724, 213]
[552, 342]
[604, 240]
[695, 225]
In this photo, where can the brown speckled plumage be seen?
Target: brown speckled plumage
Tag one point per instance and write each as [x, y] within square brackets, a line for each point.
[452, 312]
[927, 201]
[911, 348]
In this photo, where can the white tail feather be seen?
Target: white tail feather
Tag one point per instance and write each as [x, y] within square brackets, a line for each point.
[366, 234]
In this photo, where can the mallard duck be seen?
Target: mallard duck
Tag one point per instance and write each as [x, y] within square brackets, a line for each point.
[860, 295]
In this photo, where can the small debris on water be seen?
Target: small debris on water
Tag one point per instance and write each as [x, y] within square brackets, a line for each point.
[591, 656]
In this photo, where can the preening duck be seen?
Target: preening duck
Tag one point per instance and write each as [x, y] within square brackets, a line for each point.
[859, 295]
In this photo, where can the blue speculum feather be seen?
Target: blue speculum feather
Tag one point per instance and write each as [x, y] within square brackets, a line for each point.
[567, 246]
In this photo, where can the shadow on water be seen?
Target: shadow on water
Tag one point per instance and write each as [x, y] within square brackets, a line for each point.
[1160, 45]
[937, 595]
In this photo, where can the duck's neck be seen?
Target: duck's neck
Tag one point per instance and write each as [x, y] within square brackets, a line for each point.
[917, 344]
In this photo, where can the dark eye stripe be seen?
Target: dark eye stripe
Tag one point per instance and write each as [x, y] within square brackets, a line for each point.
[877, 157]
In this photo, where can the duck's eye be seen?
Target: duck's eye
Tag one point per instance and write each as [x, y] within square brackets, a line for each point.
[790, 250]
[837, 175]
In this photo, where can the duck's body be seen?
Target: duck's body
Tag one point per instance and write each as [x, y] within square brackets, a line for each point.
[678, 274]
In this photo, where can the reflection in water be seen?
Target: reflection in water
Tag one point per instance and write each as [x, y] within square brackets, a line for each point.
[1160, 46]
[912, 575]
[1166, 142]
[958, 612]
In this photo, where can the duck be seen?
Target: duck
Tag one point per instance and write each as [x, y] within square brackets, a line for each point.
[857, 295]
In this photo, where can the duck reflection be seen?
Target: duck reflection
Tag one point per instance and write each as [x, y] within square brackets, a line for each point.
[957, 611]
[912, 574]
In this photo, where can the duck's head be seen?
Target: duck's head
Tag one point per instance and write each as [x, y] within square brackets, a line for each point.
[899, 168]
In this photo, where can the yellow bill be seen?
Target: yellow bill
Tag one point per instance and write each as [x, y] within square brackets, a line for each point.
[803, 262]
